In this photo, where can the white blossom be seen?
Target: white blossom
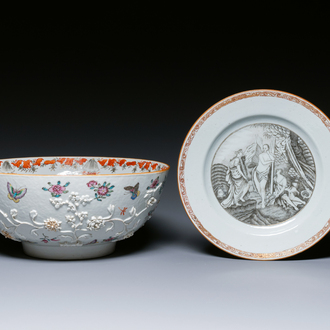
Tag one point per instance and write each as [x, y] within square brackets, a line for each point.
[95, 223]
[52, 224]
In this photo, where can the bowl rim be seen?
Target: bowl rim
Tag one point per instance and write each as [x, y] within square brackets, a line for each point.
[167, 167]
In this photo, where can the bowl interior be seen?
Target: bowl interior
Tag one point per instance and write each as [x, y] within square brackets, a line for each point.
[79, 166]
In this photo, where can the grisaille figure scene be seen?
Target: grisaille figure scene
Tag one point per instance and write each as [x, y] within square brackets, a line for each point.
[263, 174]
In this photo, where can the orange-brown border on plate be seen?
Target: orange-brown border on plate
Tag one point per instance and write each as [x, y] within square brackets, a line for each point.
[181, 177]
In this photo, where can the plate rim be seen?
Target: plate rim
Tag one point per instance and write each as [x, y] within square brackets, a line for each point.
[181, 180]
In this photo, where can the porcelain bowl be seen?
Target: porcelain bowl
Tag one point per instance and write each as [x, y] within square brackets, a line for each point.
[76, 207]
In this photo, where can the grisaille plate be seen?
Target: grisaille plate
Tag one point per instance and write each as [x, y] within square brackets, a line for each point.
[253, 174]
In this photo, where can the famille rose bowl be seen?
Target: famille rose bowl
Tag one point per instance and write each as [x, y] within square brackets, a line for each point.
[76, 207]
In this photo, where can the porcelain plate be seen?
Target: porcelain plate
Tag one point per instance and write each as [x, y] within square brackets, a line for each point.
[253, 174]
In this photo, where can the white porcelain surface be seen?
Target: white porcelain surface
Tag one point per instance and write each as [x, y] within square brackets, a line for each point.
[74, 207]
[223, 119]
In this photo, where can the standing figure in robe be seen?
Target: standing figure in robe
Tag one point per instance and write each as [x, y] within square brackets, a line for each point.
[238, 182]
[261, 173]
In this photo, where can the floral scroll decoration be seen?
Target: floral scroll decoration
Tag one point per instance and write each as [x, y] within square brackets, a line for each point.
[57, 190]
[81, 228]
[102, 191]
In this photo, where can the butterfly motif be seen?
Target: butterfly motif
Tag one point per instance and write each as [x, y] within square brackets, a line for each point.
[133, 190]
[15, 194]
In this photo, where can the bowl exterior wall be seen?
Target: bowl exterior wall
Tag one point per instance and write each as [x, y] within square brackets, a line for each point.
[77, 210]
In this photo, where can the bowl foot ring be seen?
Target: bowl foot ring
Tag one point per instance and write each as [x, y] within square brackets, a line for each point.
[68, 252]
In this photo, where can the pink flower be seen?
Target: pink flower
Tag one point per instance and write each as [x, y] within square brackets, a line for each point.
[154, 183]
[102, 190]
[56, 189]
[91, 183]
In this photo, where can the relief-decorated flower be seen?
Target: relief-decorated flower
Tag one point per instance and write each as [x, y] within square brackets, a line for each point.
[57, 190]
[91, 184]
[95, 223]
[52, 224]
[71, 219]
[154, 183]
[102, 191]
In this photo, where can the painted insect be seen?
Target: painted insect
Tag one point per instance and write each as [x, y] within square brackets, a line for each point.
[122, 211]
[15, 194]
[46, 239]
[133, 190]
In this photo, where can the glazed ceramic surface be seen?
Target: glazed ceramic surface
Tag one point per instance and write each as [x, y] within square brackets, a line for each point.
[76, 207]
[253, 174]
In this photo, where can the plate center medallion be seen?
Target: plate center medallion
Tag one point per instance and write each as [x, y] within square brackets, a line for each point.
[263, 174]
